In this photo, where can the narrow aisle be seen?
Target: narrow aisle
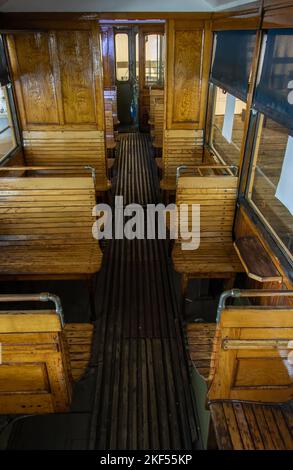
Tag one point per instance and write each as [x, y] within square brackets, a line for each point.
[143, 395]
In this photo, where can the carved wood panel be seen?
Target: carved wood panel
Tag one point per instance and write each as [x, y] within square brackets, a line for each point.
[32, 64]
[188, 59]
[76, 76]
[187, 74]
[58, 79]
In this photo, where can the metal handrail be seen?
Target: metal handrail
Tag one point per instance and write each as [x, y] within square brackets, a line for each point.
[42, 297]
[89, 168]
[216, 167]
[237, 293]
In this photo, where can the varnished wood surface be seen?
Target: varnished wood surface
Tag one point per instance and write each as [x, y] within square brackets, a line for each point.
[156, 117]
[217, 198]
[60, 97]
[56, 87]
[108, 54]
[248, 366]
[244, 227]
[70, 148]
[188, 57]
[34, 372]
[246, 426]
[46, 226]
[180, 147]
[79, 337]
[200, 337]
[256, 261]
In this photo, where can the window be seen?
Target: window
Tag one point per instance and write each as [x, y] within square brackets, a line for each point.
[7, 136]
[122, 57]
[227, 130]
[7, 128]
[269, 190]
[273, 94]
[154, 59]
[263, 191]
[231, 67]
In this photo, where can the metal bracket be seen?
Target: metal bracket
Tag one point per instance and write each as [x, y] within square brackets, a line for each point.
[254, 344]
[178, 170]
[47, 297]
[93, 172]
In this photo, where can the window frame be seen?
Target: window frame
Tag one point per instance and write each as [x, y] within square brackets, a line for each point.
[126, 32]
[158, 84]
[10, 103]
[210, 125]
[255, 128]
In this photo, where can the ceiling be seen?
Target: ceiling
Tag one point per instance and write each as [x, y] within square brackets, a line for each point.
[117, 5]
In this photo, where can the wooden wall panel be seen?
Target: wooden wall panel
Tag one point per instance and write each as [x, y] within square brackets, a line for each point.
[32, 66]
[108, 53]
[59, 89]
[76, 76]
[58, 78]
[188, 58]
[187, 72]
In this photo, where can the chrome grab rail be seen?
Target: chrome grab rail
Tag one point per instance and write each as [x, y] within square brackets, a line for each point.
[42, 297]
[89, 168]
[237, 293]
[216, 167]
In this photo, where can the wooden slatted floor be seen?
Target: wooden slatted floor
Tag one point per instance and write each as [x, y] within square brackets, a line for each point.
[143, 395]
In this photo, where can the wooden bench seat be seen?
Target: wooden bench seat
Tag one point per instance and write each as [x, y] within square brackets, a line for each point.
[216, 257]
[251, 388]
[40, 358]
[216, 260]
[46, 228]
[252, 426]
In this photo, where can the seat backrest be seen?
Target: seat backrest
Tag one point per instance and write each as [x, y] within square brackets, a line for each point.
[181, 147]
[156, 97]
[39, 209]
[252, 358]
[35, 372]
[158, 124]
[109, 122]
[110, 93]
[217, 197]
[58, 148]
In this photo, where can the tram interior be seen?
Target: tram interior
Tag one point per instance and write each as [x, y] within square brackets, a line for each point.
[133, 342]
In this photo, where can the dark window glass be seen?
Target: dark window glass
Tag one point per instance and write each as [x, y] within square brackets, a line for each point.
[274, 91]
[233, 53]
